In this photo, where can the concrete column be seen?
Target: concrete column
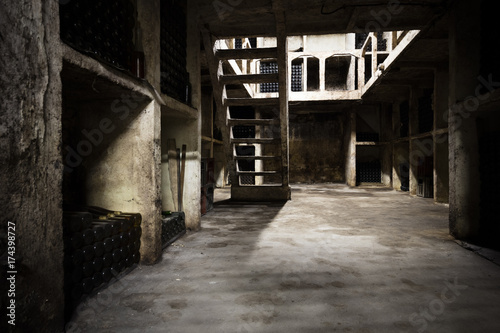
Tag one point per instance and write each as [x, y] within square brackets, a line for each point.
[259, 180]
[413, 129]
[351, 76]
[396, 120]
[350, 168]
[374, 53]
[441, 163]
[193, 128]
[361, 73]
[441, 169]
[148, 14]
[463, 143]
[322, 73]
[387, 150]
[282, 43]
[396, 124]
[441, 98]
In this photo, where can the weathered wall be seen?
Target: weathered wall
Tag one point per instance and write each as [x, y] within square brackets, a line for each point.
[317, 149]
[31, 167]
[182, 131]
[465, 49]
[124, 173]
[187, 131]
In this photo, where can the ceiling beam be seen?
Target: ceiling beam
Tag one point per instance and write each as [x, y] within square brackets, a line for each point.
[353, 17]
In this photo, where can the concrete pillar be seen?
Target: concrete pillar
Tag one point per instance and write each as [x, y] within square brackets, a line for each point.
[259, 165]
[441, 163]
[464, 37]
[350, 168]
[387, 150]
[413, 130]
[351, 76]
[441, 169]
[322, 73]
[441, 98]
[148, 141]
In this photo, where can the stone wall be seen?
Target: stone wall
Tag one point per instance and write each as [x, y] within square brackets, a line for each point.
[31, 167]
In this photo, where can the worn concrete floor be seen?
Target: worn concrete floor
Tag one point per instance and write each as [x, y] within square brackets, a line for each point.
[333, 259]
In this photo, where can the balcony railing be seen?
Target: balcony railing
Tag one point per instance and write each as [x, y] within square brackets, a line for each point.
[328, 75]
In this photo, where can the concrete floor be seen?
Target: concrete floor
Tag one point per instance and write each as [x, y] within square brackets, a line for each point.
[334, 259]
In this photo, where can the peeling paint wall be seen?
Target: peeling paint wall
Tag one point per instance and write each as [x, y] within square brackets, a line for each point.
[317, 149]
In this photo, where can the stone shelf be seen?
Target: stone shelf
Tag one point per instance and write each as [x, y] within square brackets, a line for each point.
[109, 83]
[86, 68]
[174, 108]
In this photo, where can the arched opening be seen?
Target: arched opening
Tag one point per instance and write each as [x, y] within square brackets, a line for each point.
[336, 72]
[297, 74]
[312, 74]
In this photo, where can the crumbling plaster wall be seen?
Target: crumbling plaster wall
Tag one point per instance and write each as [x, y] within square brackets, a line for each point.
[31, 167]
[317, 149]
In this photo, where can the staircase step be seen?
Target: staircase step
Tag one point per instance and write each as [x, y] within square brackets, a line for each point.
[249, 78]
[251, 101]
[255, 140]
[259, 53]
[258, 173]
[253, 122]
[253, 158]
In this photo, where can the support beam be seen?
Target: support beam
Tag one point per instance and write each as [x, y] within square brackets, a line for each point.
[351, 151]
[282, 43]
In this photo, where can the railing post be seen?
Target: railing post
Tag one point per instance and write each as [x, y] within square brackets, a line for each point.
[361, 71]
[322, 73]
[351, 76]
[304, 76]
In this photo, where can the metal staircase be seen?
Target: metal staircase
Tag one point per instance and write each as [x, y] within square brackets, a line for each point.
[268, 146]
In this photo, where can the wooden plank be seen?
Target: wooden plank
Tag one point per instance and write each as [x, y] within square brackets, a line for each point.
[260, 53]
[249, 78]
[173, 170]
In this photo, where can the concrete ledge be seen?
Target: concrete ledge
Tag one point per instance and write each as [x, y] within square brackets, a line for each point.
[260, 193]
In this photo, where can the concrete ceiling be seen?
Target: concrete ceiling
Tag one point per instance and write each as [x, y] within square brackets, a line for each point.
[246, 18]
[416, 66]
